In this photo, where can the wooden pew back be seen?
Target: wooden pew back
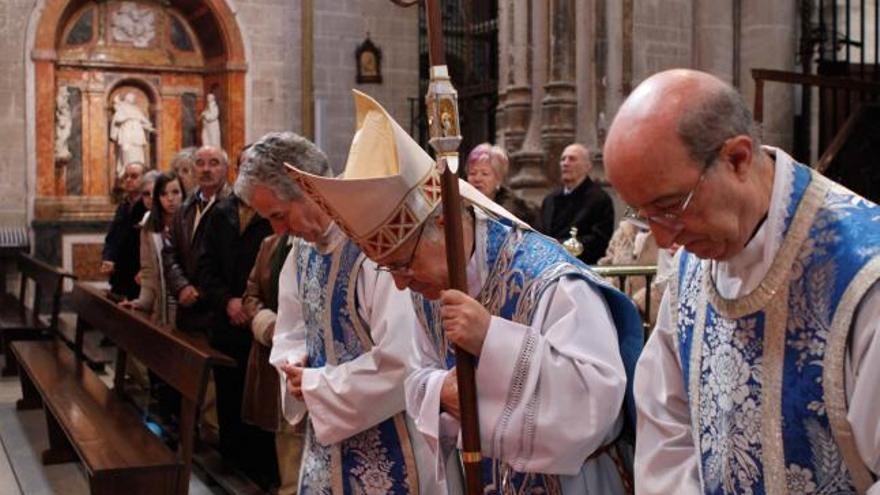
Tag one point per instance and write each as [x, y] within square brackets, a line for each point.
[181, 360]
[48, 281]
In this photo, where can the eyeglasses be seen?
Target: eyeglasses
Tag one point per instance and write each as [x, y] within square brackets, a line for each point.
[668, 216]
[399, 268]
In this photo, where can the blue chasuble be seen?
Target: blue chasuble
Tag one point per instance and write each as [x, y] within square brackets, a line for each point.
[380, 459]
[764, 373]
[522, 265]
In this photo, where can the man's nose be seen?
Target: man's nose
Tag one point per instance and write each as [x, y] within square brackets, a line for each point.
[664, 235]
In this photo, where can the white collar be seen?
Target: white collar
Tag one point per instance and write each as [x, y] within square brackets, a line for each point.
[330, 239]
[743, 273]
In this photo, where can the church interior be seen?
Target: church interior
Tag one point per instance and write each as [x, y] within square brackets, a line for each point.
[90, 86]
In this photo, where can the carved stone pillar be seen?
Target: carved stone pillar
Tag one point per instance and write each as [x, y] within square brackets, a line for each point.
[530, 182]
[525, 93]
[515, 100]
[517, 111]
[559, 107]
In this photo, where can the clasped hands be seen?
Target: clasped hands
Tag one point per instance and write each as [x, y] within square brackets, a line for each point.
[293, 373]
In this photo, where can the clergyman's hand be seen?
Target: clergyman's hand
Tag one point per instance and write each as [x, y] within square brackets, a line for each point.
[465, 320]
[294, 373]
[449, 394]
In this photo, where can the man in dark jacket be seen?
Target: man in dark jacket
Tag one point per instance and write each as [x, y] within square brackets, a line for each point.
[180, 255]
[121, 255]
[580, 203]
[232, 236]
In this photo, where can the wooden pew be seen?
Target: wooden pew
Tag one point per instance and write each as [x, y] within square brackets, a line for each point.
[89, 421]
[20, 318]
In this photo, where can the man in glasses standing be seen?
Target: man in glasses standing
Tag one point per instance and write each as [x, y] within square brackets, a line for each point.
[342, 339]
[762, 372]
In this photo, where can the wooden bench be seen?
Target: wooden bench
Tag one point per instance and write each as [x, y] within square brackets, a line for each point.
[20, 318]
[99, 425]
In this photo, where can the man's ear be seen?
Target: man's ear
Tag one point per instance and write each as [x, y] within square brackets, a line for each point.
[738, 151]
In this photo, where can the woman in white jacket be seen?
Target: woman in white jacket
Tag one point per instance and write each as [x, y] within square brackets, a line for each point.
[154, 299]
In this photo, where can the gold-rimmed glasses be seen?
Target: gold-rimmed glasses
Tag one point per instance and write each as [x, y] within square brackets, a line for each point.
[668, 216]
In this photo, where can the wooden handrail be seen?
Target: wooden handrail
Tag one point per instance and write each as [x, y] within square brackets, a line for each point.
[622, 272]
[845, 83]
[839, 140]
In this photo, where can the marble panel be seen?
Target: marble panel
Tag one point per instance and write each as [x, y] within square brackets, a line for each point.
[188, 120]
[74, 178]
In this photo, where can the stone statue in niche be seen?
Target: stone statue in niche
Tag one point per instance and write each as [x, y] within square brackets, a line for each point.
[63, 125]
[133, 24]
[211, 123]
[128, 129]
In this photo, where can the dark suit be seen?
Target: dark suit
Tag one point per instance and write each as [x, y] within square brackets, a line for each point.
[180, 258]
[588, 208]
[122, 247]
[229, 250]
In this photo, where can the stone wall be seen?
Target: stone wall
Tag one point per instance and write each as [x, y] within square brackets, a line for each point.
[662, 36]
[271, 29]
[339, 28]
[13, 164]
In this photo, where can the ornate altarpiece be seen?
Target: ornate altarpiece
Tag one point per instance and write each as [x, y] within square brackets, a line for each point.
[169, 55]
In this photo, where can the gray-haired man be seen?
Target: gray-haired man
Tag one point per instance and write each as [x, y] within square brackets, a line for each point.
[342, 336]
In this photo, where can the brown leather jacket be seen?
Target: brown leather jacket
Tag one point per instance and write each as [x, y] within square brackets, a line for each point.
[261, 403]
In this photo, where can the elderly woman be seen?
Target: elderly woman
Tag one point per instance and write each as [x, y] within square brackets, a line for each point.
[486, 170]
[182, 164]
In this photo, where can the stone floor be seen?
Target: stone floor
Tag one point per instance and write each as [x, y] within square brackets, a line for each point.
[23, 437]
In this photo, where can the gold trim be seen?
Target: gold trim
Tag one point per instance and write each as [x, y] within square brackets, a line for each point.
[331, 358]
[409, 457]
[779, 270]
[773, 364]
[696, 358]
[471, 457]
[360, 327]
[834, 386]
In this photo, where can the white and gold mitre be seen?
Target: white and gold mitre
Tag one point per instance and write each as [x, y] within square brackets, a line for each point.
[390, 185]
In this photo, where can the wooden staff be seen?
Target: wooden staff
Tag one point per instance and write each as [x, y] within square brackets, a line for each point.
[442, 106]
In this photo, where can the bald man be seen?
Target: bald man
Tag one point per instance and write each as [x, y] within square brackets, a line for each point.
[579, 203]
[120, 257]
[762, 372]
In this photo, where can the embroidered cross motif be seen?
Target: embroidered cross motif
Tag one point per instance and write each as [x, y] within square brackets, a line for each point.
[431, 188]
[390, 235]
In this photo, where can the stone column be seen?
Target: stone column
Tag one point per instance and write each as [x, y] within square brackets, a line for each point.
[525, 101]
[714, 37]
[769, 42]
[518, 89]
[559, 107]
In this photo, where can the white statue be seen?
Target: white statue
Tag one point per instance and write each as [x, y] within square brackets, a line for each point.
[129, 129]
[133, 24]
[211, 123]
[63, 124]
